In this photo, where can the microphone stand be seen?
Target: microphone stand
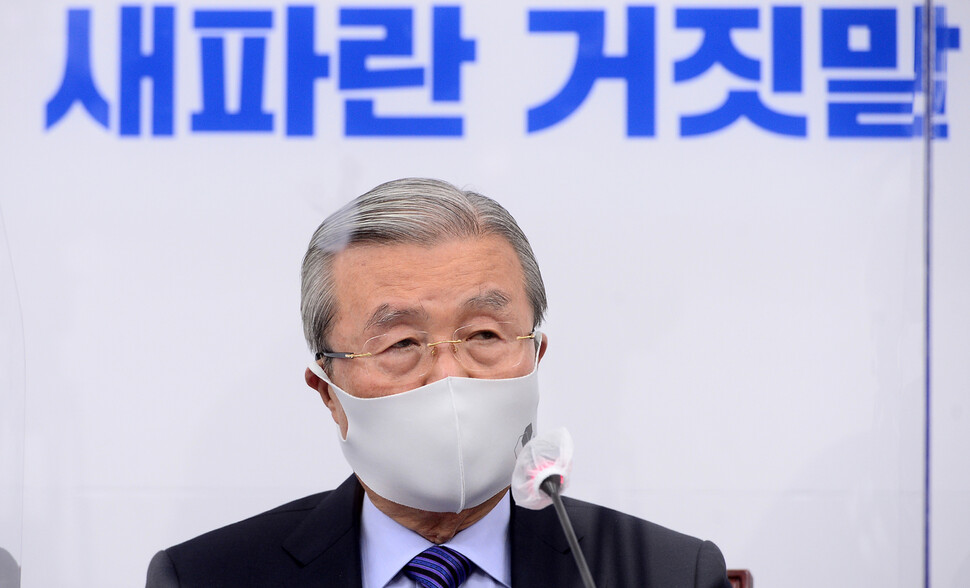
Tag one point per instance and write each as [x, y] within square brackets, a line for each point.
[551, 486]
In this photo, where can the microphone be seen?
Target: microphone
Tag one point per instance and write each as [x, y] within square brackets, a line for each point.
[541, 473]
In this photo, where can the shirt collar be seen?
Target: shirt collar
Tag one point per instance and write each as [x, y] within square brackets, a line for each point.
[387, 546]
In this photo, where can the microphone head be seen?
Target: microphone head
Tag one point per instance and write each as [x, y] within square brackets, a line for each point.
[547, 454]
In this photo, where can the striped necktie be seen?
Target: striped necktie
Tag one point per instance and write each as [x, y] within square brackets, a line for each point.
[439, 567]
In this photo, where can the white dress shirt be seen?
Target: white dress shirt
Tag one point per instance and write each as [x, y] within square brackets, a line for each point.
[386, 547]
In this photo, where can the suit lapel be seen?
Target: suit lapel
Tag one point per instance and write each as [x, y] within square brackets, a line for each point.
[326, 545]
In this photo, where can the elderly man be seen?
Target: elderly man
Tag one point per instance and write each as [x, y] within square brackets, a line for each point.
[421, 303]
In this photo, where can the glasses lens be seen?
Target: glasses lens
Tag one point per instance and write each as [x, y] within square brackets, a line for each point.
[491, 348]
[398, 354]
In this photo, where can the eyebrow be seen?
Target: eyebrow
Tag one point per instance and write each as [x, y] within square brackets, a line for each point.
[490, 299]
[387, 315]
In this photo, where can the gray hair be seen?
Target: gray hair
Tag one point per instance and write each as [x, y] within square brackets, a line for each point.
[411, 210]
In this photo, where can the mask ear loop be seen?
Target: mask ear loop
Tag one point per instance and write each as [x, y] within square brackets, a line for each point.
[318, 372]
[337, 390]
[538, 340]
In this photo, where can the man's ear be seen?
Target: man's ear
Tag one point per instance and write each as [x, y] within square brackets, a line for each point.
[317, 383]
[329, 398]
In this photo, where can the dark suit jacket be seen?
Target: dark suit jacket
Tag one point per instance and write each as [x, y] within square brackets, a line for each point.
[315, 541]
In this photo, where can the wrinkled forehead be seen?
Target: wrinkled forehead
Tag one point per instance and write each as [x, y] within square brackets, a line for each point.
[377, 284]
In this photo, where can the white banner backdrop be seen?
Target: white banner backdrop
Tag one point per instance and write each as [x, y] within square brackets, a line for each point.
[736, 306]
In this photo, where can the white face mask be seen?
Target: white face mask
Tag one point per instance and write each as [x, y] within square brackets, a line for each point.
[443, 447]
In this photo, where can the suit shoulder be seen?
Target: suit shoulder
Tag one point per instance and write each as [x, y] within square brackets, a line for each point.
[601, 519]
[276, 522]
[234, 555]
[621, 550]
[273, 548]
[645, 553]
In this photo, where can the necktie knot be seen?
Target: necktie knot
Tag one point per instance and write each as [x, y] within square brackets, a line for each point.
[439, 567]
